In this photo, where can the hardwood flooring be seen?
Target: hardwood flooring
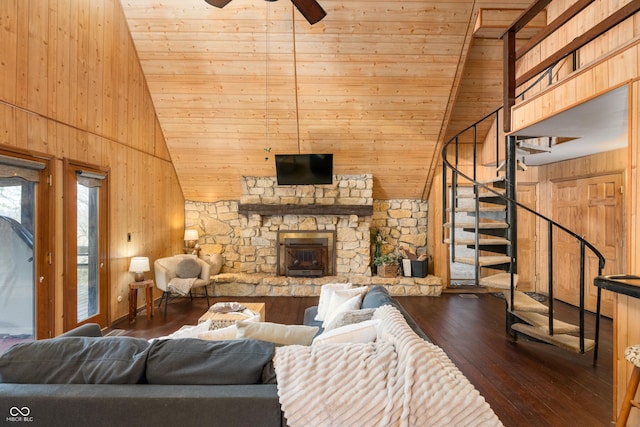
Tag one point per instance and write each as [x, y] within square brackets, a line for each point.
[526, 383]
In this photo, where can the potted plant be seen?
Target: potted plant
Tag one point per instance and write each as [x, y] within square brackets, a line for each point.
[387, 265]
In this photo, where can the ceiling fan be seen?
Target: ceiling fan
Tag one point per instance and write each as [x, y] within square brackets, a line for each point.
[310, 9]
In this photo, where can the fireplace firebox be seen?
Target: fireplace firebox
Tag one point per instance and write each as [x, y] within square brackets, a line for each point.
[306, 253]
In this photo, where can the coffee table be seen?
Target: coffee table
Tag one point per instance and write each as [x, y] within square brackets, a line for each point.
[221, 320]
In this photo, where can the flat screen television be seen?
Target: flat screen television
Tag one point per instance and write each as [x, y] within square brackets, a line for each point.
[304, 169]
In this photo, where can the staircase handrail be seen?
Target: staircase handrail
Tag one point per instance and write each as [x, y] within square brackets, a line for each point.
[601, 260]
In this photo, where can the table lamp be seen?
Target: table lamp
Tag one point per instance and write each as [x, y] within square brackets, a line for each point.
[139, 264]
[190, 238]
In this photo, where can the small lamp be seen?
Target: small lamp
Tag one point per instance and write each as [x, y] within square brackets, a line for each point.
[139, 264]
[190, 237]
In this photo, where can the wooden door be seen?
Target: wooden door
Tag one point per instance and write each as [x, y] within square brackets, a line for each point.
[526, 239]
[593, 208]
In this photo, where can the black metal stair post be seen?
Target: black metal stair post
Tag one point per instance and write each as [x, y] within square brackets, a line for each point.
[512, 213]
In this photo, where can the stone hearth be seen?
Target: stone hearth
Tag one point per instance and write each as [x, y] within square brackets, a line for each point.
[258, 285]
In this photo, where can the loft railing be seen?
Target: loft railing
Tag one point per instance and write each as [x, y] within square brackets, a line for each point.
[512, 206]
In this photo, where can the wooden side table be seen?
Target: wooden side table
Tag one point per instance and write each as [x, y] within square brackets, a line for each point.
[133, 298]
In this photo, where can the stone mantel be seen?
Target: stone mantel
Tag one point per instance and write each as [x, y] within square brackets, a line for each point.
[314, 209]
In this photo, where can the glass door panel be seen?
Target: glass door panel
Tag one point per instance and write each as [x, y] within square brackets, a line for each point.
[87, 256]
[17, 266]
[86, 248]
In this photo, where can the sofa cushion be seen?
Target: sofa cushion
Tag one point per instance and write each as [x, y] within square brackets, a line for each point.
[76, 360]
[193, 361]
[188, 268]
[377, 297]
[276, 333]
[362, 332]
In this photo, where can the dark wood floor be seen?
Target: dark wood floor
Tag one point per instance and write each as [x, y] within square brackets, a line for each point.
[526, 383]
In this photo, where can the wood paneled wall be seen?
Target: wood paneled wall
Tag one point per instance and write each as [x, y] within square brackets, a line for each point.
[71, 87]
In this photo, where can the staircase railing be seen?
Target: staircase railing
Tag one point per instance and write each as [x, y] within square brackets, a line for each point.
[512, 205]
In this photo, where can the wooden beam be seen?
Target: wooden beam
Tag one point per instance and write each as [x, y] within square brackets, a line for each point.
[509, 76]
[572, 11]
[526, 16]
[265, 209]
[491, 23]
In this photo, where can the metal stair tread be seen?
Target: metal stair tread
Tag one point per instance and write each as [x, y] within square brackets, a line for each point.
[500, 281]
[522, 302]
[530, 147]
[542, 321]
[482, 225]
[481, 194]
[484, 261]
[496, 241]
[492, 180]
[482, 209]
[565, 341]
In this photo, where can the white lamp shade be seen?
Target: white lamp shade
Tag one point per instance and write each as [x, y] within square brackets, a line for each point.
[139, 264]
[191, 234]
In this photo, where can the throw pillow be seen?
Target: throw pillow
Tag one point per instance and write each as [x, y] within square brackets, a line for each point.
[325, 297]
[193, 361]
[351, 316]
[363, 332]
[188, 268]
[187, 331]
[339, 297]
[276, 333]
[353, 303]
[227, 333]
[76, 360]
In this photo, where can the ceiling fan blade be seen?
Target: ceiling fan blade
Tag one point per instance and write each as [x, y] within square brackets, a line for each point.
[310, 9]
[218, 3]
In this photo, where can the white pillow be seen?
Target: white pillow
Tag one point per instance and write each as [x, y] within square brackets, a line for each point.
[222, 334]
[325, 297]
[276, 333]
[340, 296]
[363, 332]
[188, 331]
[353, 303]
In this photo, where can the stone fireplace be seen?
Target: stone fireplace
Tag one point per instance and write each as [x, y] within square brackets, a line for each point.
[249, 232]
[306, 253]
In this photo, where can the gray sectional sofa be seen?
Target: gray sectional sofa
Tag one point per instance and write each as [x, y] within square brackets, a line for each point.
[165, 383]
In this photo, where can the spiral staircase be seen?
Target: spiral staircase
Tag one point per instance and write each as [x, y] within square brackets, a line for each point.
[481, 220]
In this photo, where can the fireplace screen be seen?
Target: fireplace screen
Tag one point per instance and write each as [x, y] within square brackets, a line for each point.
[306, 254]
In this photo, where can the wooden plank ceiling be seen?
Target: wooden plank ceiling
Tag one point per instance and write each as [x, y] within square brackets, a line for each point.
[375, 83]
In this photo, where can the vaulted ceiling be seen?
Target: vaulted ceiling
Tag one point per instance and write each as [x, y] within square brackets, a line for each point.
[378, 83]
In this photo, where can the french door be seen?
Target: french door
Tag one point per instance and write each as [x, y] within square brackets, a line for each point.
[26, 278]
[86, 245]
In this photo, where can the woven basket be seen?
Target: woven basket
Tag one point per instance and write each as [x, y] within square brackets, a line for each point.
[388, 270]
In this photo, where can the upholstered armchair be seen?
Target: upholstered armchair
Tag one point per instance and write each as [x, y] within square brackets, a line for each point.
[179, 274]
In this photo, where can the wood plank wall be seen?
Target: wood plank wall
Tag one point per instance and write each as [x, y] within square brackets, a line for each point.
[71, 87]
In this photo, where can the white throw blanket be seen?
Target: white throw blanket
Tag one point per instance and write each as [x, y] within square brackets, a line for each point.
[181, 286]
[399, 380]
